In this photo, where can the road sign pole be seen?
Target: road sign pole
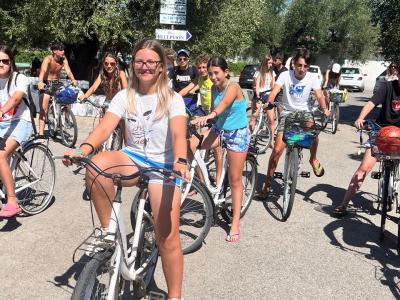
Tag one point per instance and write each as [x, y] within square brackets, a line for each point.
[172, 42]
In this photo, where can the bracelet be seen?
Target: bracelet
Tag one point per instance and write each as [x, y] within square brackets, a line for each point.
[2, 113]
[214, 111]
[182, 161]
[87, 144]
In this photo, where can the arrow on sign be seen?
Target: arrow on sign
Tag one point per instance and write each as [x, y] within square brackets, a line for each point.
[188, 35]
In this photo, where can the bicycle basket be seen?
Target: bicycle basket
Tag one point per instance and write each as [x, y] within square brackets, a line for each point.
[66, 96]
[299, 130]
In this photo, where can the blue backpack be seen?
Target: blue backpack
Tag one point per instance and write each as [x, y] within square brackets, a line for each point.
[66, 96]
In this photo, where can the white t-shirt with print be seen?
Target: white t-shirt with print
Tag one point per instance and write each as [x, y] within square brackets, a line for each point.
[296, 93]
[21, 111]
[156, 133]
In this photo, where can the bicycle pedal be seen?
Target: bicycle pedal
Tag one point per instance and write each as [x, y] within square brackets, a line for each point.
[139, 287]
[278, 175]
[305, 174]
[376, 175]
[156, 296]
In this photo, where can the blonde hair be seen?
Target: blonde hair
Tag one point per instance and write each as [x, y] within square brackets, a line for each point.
[164, 93]
[264, 69]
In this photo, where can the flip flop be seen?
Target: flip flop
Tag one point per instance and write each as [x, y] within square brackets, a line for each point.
[8, 211]
[233, 237]
[318, 169]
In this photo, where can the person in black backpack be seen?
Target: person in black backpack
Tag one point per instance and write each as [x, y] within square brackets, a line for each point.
[15, 123]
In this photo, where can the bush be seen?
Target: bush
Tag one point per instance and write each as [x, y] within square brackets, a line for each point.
[236, 67]
[26, 56]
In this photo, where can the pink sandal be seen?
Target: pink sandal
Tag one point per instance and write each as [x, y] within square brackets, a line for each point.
[233, 237]
[8, 211]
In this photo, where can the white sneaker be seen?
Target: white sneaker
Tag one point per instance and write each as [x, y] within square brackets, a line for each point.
[100, 241]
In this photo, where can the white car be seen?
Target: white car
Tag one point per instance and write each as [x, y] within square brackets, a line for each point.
[352, 78]
[317, 70]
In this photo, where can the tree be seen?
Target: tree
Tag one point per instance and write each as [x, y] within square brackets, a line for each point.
[387, 16]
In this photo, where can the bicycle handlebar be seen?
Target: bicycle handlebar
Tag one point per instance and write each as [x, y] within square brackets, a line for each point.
[100, 106]
[87, 162]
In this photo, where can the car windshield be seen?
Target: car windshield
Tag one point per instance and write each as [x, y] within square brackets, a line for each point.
[350, 71]
[250, 69]
[313, 70]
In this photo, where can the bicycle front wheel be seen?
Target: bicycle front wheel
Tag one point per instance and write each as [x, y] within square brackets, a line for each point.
[51, 121]
[94, 281]
[69, 128]
[34, 177]
[289, 181]
[249, 176]
[335, 118]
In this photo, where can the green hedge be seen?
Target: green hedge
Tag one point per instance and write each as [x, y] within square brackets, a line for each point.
[236, 67]
[26, 56]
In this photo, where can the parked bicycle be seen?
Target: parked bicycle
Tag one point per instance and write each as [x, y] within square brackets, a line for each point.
[299, 133]
[34, 175]
[115, 141]
[61, 119]
[120, 265]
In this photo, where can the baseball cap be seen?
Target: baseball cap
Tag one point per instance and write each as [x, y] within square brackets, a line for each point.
[183, 52]
[336, 68]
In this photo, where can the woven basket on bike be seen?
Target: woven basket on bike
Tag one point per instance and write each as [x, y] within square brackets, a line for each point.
[66, 95]
[339, 96]
[299, 130]
[387, 143]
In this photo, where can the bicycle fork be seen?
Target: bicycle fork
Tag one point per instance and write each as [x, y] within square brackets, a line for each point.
[304, 174]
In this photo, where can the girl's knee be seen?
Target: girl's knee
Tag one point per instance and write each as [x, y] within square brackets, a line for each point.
[168, 243]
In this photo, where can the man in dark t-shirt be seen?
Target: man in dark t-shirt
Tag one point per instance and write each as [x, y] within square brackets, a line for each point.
[184, 78]
[388, 96]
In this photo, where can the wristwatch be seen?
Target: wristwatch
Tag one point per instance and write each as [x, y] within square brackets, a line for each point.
[2, 113]
[182, 161]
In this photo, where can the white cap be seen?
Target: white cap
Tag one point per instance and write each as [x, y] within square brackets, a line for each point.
[336, 68]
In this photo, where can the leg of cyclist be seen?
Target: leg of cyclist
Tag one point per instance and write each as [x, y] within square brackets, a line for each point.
[236, 163]
[102, 189]
[277, 151]
[271, 121]
[7, 179]
[356, 181]
[315, 164]
[218, 162]
[44, 108]
[165, 204]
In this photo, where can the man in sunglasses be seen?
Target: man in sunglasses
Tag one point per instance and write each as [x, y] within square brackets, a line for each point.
[184, 78]
[49, 79]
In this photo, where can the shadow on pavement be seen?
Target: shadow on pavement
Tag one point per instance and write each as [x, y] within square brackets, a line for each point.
[11, 224]
[73, 272]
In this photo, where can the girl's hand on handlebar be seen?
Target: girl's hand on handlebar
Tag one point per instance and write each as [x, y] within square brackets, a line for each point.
[41, 86]
[183, 170]
[359, 123]
[77, 153]
[327, 113]
[201, 121]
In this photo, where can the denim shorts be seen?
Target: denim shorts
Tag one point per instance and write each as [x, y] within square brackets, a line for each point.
[236, 140]
[18, 130]
[143, 162]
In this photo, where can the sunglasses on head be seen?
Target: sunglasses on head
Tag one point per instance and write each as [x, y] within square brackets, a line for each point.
[112, 64]
[5, 61]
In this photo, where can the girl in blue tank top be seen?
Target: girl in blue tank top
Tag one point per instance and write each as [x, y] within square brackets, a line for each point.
[229, 107]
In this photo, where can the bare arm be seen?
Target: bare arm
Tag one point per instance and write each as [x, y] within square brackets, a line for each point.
[233, 92]
[69, 72]
[101, 133]
[258, 85]
[321, 100]
[14, 100]
[43, 71]
[124, 81]
[178, 134]
[92, 89]
[186, 89]
[364, 112]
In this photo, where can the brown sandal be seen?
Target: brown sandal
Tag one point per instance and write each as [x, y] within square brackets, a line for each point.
[318, 169]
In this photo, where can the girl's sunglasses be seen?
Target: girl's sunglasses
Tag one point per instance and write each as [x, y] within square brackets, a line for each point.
[5, 62]
[112, 64]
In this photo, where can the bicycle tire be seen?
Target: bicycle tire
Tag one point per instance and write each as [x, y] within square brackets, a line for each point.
[290, 181]
[263, 138]
[37, 197]
[385, 199]
[249, 175]
[88, 286]
[69, 127]
[335, 118]
[51, 122]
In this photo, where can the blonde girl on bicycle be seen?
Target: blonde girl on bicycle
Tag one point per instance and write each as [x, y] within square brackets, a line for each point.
[155, 120]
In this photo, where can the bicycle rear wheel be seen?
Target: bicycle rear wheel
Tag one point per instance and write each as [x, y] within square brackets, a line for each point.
[34, 177]
[249, 176]
[335, 118]
[385, 199]
[69, 128]
[289, 181]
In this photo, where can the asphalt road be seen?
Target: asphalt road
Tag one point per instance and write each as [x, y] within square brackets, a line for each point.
[311, 256]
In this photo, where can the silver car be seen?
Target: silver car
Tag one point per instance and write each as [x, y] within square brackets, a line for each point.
[352, 78]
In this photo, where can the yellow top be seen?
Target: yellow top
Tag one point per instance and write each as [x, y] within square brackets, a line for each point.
[205, 92]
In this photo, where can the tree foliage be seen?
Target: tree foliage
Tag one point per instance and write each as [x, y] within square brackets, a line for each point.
[387, 16]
